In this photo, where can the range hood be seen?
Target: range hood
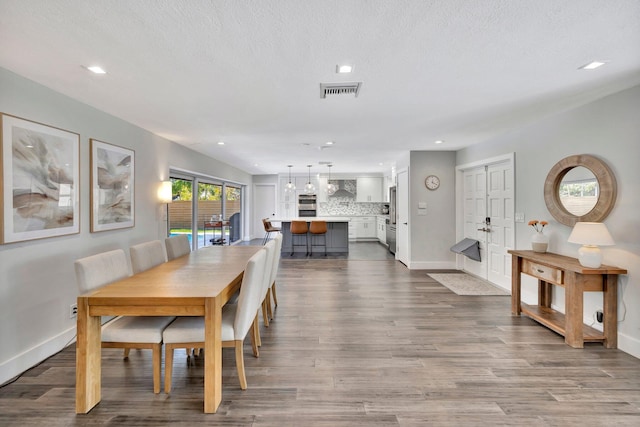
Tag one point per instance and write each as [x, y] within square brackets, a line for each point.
[341, 191]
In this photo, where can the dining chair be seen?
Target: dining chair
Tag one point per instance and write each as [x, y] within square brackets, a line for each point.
[318, 229]
[177, 246]
[127, 332]
[237, 321]
[299, 229]
[147, 255]
[274, 273]
[268, 229]
[266, 286]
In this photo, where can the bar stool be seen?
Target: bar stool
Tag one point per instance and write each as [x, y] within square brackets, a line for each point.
[318, 228]
[298, 229]
[268, 229]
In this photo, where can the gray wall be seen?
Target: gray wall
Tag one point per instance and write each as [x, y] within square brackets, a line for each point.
[432, 230]
[37, 280]
[609, 129]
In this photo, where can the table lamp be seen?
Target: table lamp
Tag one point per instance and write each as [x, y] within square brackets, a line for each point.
[590, 235]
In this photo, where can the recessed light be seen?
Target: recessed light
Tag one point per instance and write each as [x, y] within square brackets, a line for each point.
[438, 141]
[96, 70]
[592, 65]
[343, 69]
[330, 143]
[220, 142]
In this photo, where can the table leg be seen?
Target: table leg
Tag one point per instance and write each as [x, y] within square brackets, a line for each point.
[544, 294]
[574, 308]
[516, 268]
[213, 355]
[88, 354]
[610, 310]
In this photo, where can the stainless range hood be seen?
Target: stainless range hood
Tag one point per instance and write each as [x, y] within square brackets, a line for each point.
[341, 191]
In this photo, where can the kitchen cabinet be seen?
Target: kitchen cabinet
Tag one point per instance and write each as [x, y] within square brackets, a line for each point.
[369, 189]
[362, 228]
[381, 229]
[321, 189]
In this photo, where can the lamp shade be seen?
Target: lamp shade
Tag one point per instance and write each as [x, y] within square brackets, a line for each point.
[165, 192]
[591, 233]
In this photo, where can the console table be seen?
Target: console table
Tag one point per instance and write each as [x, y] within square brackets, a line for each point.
[559, 270]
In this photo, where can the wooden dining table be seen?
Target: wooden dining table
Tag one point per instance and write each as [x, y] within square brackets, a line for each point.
[197, 284]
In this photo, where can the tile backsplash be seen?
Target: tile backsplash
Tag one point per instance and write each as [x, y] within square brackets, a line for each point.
[347, 206]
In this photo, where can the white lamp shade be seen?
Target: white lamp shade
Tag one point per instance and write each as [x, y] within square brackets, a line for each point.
[591, 233]
[165, 192]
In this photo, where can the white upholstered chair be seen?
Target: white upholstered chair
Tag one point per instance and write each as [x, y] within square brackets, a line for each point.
[237, 320]
[271, 248]
[177, 246]
[274, 272]
[125, 332]
[147, 255]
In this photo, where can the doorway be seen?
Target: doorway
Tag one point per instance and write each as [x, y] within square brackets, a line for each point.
[402, 217]
[488, 204]
[264, 206]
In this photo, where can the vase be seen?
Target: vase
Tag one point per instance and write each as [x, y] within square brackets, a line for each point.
[539, 242]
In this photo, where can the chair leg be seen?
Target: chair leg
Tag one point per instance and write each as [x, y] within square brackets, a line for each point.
[265, 316]
[273, 292]
[157, 362]
[168, 368]
[256, 334]
[267, 300]
[240, 365]
[126, 352]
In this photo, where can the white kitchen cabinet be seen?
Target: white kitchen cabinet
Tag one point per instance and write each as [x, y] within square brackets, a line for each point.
[362, 228]
[321, 189]
[369, 189]
[381, 229]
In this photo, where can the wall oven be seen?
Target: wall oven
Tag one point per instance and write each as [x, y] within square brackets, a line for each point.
[307, 205]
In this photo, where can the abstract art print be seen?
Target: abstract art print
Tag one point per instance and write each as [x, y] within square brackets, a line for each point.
[112, 187]
[40, 172]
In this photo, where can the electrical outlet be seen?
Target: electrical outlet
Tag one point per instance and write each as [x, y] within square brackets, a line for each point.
[599, 316]
[73, 311]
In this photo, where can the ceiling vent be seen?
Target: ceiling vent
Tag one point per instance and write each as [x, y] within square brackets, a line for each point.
[332, 89]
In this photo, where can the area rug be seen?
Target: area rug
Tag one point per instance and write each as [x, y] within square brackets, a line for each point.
[465, 284]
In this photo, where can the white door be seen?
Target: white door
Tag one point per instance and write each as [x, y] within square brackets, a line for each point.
[489, 218]
[475, 213]
[500, 210]
[264, 206]
[402, 217]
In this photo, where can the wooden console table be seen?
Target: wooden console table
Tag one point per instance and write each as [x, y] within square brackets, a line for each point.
[559, 270]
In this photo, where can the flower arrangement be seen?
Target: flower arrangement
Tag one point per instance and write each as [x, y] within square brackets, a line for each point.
[538, 225]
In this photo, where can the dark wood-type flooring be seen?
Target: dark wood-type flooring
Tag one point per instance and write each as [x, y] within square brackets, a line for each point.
[360, 342]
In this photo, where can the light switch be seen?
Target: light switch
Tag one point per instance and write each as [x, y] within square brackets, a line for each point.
[519, 217]
[422, 205]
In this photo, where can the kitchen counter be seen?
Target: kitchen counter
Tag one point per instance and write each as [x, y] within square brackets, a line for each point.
[337, 237]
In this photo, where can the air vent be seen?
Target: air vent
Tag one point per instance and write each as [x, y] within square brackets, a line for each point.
[324, 163]
[332, 89]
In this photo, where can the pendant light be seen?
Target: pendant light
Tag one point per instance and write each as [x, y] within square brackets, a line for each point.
[331, 188]
[289, 187]
[309, 187]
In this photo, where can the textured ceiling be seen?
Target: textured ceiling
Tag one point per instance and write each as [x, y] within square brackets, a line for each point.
[248, 72]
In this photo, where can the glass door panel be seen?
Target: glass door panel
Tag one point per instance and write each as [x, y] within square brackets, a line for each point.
[210, 214]
[232, 210]
[181, 208]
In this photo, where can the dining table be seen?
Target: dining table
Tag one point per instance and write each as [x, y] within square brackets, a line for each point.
[196, 284]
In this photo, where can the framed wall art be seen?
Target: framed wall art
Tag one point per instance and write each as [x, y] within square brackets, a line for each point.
[40, 173]
[112, 187]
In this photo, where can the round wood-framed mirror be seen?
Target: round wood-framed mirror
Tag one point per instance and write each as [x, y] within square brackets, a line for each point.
[588, 196]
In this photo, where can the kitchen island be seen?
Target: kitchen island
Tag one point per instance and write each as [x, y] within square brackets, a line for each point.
[337, 234]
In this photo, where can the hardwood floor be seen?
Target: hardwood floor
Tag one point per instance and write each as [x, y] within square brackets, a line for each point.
[360, 342]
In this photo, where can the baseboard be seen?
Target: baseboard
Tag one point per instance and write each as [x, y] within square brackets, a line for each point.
[432, 265]
[629, 345]
[30, 358]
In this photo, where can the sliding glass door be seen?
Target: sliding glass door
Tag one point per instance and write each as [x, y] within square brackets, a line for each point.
[210, 215]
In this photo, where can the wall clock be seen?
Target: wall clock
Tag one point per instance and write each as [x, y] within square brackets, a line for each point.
[432, 182]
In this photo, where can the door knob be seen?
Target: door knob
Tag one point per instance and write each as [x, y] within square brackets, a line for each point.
[484, 229]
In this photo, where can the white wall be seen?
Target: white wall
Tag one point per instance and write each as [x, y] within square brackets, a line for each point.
[37, 280]
[609, 129]
[432, 230]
